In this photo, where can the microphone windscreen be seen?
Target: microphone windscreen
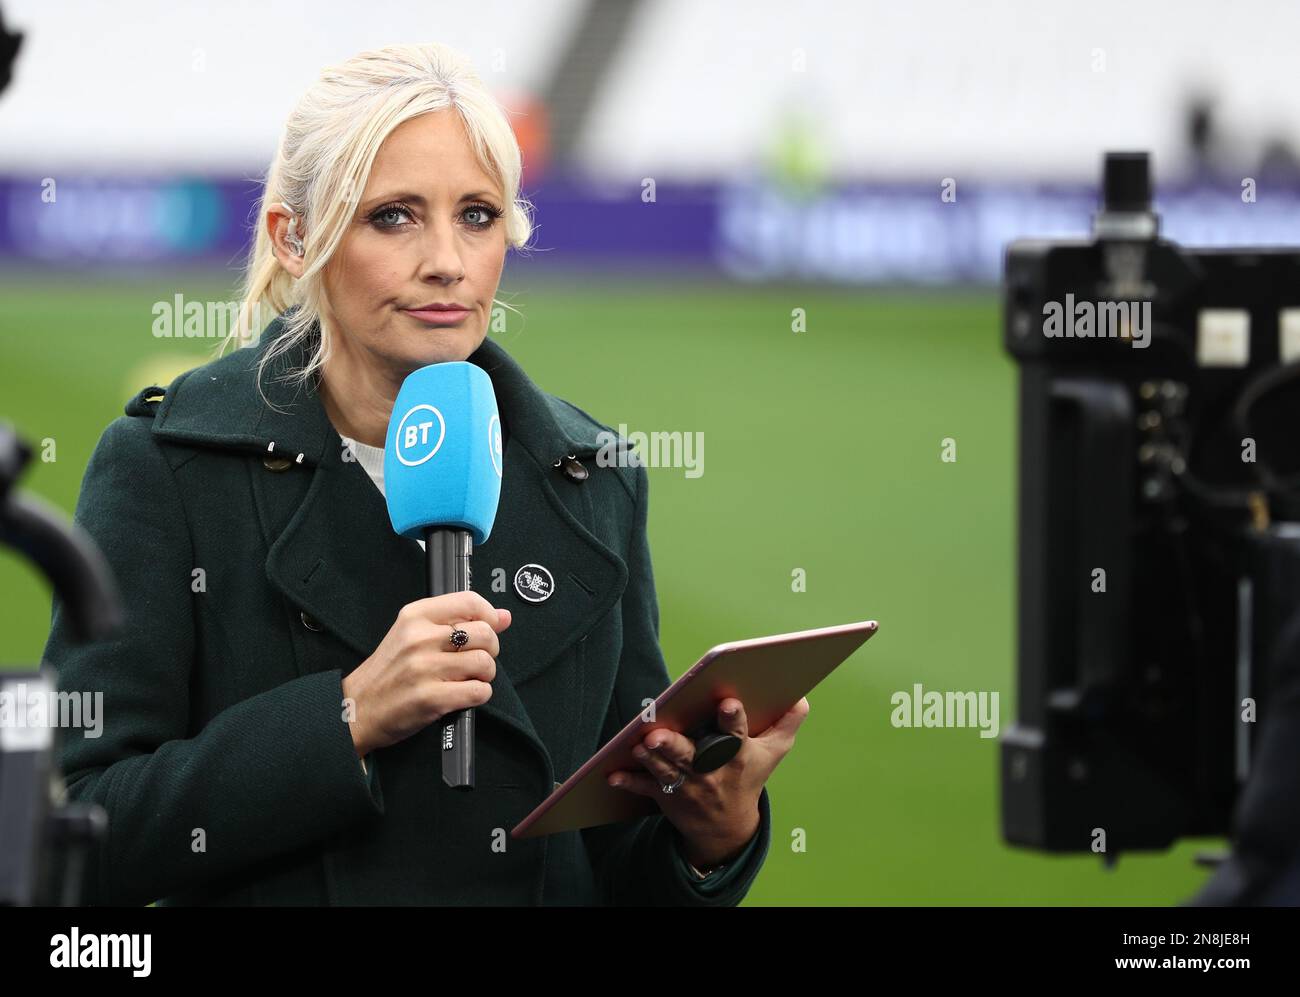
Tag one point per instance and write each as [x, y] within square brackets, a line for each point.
[443, 455]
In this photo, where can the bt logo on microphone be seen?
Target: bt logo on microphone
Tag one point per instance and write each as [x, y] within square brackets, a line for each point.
[420, 434]
[494, 442]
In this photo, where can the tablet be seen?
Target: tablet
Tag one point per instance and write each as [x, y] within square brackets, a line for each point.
[767, 674]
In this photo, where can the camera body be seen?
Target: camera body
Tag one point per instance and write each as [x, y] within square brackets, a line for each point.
[1156, 550]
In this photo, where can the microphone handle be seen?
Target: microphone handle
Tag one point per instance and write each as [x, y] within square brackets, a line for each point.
[447, 551]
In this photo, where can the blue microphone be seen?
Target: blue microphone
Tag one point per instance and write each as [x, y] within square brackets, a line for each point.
[442, 481]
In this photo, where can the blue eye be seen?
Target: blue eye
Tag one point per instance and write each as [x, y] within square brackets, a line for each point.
[490, 214]
[379, 215]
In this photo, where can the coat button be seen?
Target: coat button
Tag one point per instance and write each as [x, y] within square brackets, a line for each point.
[309, 623]
[573, 469]
[273, 462]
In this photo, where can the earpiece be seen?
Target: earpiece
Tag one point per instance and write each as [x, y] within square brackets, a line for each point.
[294, 240]
[292, 237]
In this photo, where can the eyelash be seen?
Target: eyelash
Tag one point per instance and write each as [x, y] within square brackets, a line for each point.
[492, 213]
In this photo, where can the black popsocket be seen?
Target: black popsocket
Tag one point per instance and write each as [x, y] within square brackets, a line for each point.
[713, 748]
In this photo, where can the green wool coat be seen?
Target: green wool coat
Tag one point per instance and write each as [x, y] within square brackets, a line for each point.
[225, 763]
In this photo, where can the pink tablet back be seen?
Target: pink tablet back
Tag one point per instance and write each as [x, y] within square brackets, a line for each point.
[768, 674]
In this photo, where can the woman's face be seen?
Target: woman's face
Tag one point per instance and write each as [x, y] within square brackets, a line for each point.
[427, 230]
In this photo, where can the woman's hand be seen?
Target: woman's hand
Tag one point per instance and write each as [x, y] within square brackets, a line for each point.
[716, 812]
[416, 675]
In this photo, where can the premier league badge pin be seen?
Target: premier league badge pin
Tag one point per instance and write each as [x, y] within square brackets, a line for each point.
[534, 583]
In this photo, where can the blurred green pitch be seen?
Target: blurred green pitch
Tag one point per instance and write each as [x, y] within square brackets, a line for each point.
[821, 452]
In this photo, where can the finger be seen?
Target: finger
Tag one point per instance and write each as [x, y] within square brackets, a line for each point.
[463, 695]
[480, 634]
[658, 766]
[677, 748]
[455, 607]
[789, 722]
[459, 666]
[637, 782]
[736, 723]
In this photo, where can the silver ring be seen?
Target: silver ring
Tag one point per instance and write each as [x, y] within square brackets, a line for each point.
[459, 638]
[673, 787]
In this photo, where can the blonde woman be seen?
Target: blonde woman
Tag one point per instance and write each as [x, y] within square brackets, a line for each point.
[269, 706]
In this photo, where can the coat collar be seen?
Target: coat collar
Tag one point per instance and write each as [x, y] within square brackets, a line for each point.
[219, 405]
[333, 553]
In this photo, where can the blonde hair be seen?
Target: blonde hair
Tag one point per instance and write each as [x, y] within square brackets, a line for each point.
[326, 152]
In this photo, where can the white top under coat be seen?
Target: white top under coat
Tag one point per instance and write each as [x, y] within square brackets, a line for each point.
[371, 460]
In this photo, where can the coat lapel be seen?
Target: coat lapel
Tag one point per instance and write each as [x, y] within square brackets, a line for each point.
[333, 551]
